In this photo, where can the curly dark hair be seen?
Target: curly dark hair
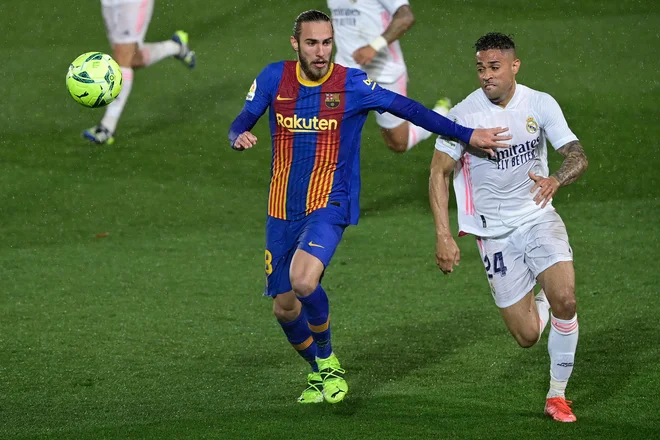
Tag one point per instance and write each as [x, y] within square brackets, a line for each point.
[306, 17]
[495, 40]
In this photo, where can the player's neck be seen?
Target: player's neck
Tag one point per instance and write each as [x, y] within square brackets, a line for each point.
[504, 102]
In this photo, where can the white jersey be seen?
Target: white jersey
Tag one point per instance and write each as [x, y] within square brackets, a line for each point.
[493, 195]
[117, 2]
[357, 23]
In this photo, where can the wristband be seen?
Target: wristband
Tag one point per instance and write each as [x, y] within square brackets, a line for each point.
[379, 43]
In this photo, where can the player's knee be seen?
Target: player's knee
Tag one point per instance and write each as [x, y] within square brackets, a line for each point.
[303, 286]
[565, 306]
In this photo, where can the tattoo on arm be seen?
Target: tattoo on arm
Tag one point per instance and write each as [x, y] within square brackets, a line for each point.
[574, 165]
[402, 20]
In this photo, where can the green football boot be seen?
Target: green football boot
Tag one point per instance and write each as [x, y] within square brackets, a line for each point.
[332, 374]
[314, 391]
[186, 55]
[443, 106]
[99, 135]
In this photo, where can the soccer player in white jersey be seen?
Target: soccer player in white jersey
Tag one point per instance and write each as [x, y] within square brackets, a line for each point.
[126, 23]
[505, 201]
[366, 36]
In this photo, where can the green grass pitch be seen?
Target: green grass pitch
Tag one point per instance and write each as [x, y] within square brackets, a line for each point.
[159, 330]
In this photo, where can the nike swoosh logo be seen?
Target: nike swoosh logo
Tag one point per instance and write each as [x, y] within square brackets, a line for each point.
[279, 98]
[312, 244]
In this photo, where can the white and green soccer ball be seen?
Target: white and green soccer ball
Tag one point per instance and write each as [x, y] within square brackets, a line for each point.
[94, 79]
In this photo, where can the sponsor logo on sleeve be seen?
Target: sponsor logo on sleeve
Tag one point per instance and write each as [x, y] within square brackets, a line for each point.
[253, 88]
[370, 83]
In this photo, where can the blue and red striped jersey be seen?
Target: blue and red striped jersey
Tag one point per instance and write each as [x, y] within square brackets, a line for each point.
[315, 129]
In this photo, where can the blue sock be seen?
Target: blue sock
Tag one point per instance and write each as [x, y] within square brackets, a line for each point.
[317, 309]
[299, 335]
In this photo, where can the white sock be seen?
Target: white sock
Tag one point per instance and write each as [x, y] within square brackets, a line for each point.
[155, 52]
[114, 109]
[416, 135]
[543, 307]
[562, 344]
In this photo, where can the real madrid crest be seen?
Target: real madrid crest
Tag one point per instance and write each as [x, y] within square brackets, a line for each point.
[332, 100]
[531, 125]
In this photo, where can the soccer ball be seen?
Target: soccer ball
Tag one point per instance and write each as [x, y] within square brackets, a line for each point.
[94, 79]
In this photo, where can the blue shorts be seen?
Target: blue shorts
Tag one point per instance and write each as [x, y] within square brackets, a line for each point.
[318, 234]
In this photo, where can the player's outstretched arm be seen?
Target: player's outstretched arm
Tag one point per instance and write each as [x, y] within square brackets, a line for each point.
[447, 253]
[574, 165]
[483, 138]
[402, 20]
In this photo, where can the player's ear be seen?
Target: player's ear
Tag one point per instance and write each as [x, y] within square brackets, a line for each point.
[294, 43]
[516, 66]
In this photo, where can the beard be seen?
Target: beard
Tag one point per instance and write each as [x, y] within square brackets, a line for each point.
[312, 72]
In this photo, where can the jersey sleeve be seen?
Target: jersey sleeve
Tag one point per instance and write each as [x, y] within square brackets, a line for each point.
[392, 5]
[368, 94]
[262, 89]
[257, 101]
[553, 122]
[451, 146]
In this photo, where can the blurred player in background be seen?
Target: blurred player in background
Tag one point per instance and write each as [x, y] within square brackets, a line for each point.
[367, 34]
[126, 23]
[317, 111]
[505, 201]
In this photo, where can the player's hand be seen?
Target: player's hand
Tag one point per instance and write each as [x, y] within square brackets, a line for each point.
[547, 187]
[364, 55]
[447, 254]
[244, 141]
[488, 138]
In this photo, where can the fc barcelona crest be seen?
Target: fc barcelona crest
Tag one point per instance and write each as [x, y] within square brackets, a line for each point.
[332, 100]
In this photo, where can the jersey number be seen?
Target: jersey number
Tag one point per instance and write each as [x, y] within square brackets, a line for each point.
[498, 263]
[269, 261]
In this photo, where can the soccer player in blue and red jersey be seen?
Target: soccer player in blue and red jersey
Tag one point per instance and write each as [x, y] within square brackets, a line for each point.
[317, 111]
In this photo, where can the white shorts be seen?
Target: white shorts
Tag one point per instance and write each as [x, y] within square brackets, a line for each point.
[128, 22]
[513, 261]
[388, 120]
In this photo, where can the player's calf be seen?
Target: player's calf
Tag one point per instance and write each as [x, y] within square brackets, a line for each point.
[286, 307]
[522, 320]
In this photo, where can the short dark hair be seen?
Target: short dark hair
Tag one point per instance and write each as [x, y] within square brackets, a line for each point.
[495, 40]
[306, 17]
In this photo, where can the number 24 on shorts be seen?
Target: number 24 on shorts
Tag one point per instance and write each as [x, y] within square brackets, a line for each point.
[498, 265]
